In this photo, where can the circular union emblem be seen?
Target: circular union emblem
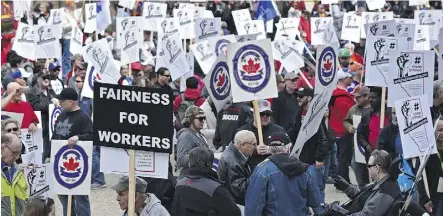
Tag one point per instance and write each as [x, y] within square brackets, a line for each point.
[221, 46]
[71, 166]
[92, 78]
[326, 67]
[219, 82]
[54, 115]
[252, 68]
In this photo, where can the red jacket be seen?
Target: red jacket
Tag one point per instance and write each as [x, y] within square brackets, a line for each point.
[341, 102]
[190, 95]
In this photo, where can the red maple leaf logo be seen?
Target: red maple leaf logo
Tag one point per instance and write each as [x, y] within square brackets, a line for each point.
[71, 165]
[327, 65]
[221, 80]
[251, 68]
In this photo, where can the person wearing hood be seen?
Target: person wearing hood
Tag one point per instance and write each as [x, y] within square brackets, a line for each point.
[192, 93]
[146, 204]
[190, 137]
[268, 128]
[284, 181]
[234, 168]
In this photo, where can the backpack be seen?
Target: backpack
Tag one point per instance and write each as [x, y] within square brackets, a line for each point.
[180, 114]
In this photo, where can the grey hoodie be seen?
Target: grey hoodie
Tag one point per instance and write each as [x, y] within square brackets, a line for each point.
[186, 141]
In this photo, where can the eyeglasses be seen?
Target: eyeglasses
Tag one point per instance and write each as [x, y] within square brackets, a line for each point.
[14, 154]
[265, 114]
[78, 81]
[167, 75]
[201, 118]
[372, 165]
[46, 77]
[12, 129]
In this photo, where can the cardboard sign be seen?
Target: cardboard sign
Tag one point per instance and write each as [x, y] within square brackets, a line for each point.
[220, 44]
[351, 27]
[46, 42]
[91, 17]
[218, 83]
[76, 45]
[100, 55]
[153, 13]
[204, 54]
[318, 28]
[206, 28]
[135, 118]
[39, 181]
[24, 41]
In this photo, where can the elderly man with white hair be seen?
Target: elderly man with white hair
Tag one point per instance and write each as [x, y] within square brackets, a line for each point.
[234, 168]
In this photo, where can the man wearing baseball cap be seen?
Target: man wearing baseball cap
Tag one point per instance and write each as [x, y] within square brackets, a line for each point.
[285, 106]
[190, 137]
[146, 204]
[279, 172]
[56, 83]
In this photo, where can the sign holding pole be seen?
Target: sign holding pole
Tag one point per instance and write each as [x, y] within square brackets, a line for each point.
[131, 198]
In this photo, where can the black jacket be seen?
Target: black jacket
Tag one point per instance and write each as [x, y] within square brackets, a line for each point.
[433, 173]
[267, 131]
[235, 171]
[284, 109]
[386, 140]
[200, 193]
[316, 147]
[228, 120]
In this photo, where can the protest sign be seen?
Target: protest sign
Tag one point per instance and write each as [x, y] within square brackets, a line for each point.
[244, 38]
[135, 118]
[351, 27]
[39, 179]
[318, 27]
[375, 4]
[326, 79]
[220, 44]
[252, 27]
[166, 27]
[252, 74]
[56, 20]
[217, 82]
[287, 28]
[21, 7]
[240, 16]
[440, 55]
[33, 144]
[127, 4]
[71, 167]
[431, 18]
[186, 6]
[54, 112]
[101, 57]
[199, 12]
[338, 24]
[330, 37]
[91, 17]
[39, 117]
[88, 85]
[410, 74]
[184, 20]
[406, 30]
[129, 39]
[381, 28]
[204, 54]
[147, 164]
[170, 55]
[153, 13]
[16, 116]
[190, 59]
[206, 28]
[286, 52]
[24, 41]
[377, 58]
[46, 43]
[422, 37]
[76, 44]
[374, 17]
[415, 126]
[359, 151]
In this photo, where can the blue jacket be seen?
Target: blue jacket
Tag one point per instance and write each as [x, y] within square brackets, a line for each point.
[281, 186]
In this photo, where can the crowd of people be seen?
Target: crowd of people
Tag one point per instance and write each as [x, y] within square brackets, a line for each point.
[250, 178]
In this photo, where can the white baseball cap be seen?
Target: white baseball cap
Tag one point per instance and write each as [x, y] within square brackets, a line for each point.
[341, 74]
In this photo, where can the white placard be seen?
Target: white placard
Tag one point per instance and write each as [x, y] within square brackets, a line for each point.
[406, 30]
[374, 17]
[415, 126]
[318, 27]
[184, 20]
[440, 56]
[171, 55]
[330, 36]
[54, 112]
[206, 28]
[33, 143]
[326, 68]
[431, 18]
[218, 84]
[338, 24]
[382, 28]
[240, 16]
[220, 44]
[190, 60]
[129, 39]
[287, 28]
[88, 85]
[39, 117]
[153, 13]
[377, 58]
[351, 27]
[411, 73]
[127, 4]
[46, 43]
[252, 27]
[166, 27]
[204, 54]
[39, 181]
[375, 4]
[76, 45]
[186, 6]
[101, 57]
[91, 17]
[244, 38]
[56, 21]
[72, 167]
[199, 12]
[359, 152]
[24, 41]
[422, 37]
[286, 52]
[251, 66]
[208, 14]
[147, 164]
[20, 8]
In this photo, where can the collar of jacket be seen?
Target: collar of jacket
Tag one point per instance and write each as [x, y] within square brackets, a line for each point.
[243, 159]
[380, 182]
[287, 93]
[198, 172]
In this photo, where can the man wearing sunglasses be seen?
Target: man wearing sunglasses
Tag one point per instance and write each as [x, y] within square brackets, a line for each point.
[14, 185]
[164, 77]
[268, 128]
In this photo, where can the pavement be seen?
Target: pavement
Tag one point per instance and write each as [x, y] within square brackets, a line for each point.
[103, 201]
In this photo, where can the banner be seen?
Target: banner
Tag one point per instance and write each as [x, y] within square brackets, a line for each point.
[135, 118]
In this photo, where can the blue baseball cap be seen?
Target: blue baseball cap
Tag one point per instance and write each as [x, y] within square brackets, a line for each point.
[17, 74]
[53, 66]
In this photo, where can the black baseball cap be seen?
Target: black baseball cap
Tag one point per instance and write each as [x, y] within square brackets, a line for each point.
[305, 91]
[68, 94]
[279, 139]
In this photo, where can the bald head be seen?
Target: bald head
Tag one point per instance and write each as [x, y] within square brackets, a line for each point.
[11, 148]
[14, 88]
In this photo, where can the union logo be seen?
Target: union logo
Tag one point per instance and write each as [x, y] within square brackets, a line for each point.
[219, 82]
[71, 166]
[92, 78]
[54, 115]
[252, 68]
[326, 67]
[221, 47]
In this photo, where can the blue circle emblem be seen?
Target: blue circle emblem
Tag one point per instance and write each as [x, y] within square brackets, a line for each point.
[92, 78]
[252, 68]
[54, 115]
[221, 46]
[71, 166]
[219, 82]
[326, 67]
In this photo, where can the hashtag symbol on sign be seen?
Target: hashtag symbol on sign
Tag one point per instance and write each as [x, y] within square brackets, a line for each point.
[392, 46]
[416, 106]
[28, 136]
[417, 60]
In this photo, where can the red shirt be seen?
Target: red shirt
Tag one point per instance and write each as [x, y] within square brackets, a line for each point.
[25, 108]
[374, 129]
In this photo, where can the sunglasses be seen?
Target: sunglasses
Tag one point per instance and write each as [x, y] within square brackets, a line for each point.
[201, 118]
[46, 77]
[267, 114]
[12, 129]
[371, 165]
[167, 75]
[78, 81]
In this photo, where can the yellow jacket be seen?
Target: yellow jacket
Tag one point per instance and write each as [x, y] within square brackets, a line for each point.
[14, 195]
